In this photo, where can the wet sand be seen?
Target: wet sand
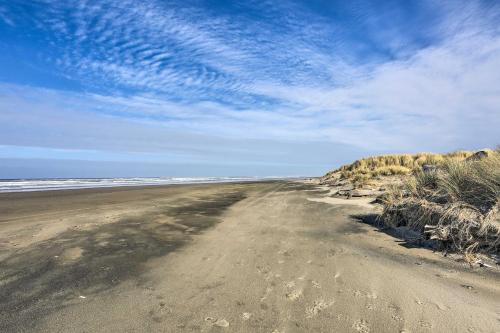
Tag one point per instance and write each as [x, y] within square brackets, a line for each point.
[250, 257]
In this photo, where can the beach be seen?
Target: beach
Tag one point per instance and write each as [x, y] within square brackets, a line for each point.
[269, 256]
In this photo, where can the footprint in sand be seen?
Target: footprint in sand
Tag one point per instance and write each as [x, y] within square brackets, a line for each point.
[393, 307]
[333, 252]
[425, 324]
[246, 315]
[285, 253]
[294, 295]
[361, 326]
[315, 284]
[342, 316]
[268, 291]
[219, 322]
[357, 293]
[72, 254]
[263, 270]
[396, 317]
[442, 307]
[317, 307]
[268, 276]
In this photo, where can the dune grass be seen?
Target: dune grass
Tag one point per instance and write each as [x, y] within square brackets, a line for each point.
[389, 165]
[456, 204]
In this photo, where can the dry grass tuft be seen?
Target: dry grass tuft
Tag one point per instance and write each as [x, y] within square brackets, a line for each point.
[457, 204]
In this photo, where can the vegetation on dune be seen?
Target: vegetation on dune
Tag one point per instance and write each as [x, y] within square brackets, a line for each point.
[389, 165]
[451, 198]
[457, 203]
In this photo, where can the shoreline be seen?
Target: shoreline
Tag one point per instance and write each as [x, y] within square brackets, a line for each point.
[160, 182]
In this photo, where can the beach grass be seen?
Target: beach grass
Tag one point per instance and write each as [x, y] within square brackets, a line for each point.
[456, 203]
[395, 164]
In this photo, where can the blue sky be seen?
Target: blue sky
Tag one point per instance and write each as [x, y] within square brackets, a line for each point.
[203, 88]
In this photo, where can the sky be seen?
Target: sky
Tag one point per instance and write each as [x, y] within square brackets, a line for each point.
[241, 88]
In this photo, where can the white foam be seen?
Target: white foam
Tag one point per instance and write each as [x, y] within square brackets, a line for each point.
[26, 185]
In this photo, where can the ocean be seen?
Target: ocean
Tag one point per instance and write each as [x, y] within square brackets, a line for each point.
[26, 185]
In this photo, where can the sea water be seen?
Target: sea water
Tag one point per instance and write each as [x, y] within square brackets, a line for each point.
[25, 185]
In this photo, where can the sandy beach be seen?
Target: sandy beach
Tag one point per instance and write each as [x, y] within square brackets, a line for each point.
[275, 256]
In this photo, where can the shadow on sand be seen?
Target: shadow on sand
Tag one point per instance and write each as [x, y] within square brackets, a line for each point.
[54, 273]
[405, 237]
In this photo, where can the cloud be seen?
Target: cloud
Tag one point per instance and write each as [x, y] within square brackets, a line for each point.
[441, 97]
[4, 17]
[187, 50]
[69, 126]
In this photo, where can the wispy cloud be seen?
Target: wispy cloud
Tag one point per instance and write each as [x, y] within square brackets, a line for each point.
[166, 47]
[441, 97]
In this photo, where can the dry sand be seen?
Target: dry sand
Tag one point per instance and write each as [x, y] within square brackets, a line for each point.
[254, 257]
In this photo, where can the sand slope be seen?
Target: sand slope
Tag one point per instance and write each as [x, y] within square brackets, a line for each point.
[262, 257]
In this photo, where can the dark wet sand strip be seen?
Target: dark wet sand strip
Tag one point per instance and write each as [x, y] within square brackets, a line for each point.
[91, 257]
